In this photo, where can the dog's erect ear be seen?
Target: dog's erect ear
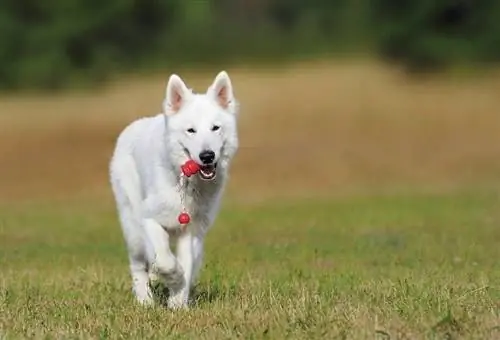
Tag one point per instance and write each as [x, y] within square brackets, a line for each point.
[222, 91]
[175, 95]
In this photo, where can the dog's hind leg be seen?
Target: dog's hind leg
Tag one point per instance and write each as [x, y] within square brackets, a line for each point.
[124, 182]
[138, 258]
[140, 279]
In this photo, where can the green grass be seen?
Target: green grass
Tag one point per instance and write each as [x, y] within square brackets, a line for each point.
[378, 267]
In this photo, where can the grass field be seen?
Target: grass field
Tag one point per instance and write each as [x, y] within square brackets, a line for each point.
[361, 206]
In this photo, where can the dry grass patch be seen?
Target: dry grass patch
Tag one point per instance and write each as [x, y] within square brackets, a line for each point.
[319, 128]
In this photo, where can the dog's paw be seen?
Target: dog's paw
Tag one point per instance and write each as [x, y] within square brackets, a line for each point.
[145, 300]
[178, 301]
[172, 278]
[144, 295]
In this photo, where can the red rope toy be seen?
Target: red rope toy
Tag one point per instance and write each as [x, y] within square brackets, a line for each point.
[188, 169]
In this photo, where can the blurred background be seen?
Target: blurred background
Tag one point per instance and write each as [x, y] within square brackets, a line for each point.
[338, 97]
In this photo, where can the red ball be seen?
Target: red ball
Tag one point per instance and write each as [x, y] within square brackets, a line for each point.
[193, 166]
[185, 170]
[184, 218]
[190, 168]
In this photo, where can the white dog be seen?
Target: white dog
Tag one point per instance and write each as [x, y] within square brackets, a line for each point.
[145, 173]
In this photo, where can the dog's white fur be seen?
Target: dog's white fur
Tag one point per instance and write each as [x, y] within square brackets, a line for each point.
[145, 174]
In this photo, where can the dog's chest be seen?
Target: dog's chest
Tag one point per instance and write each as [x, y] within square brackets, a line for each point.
[198, 201]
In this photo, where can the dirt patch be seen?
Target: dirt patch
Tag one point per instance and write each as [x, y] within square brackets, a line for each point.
[307, 130]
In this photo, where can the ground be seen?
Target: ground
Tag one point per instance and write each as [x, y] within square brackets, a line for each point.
[361, 205]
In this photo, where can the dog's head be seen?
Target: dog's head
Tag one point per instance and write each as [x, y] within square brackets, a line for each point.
[202, 127]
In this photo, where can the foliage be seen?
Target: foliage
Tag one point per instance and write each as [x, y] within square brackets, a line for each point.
[434, 34]
[49, 44]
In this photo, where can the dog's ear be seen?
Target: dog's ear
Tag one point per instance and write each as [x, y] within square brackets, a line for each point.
[176, 95]
[222, 91]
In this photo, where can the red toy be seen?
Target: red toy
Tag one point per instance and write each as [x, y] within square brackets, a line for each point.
[184, 218]
[188, 169]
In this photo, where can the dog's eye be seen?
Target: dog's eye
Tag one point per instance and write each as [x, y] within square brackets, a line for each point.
[191, 130]
[215, 127]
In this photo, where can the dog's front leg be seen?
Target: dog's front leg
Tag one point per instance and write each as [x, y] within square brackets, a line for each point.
[186, 259]
[164, 265]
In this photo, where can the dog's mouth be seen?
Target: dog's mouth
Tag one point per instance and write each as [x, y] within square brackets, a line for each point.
[208, 172]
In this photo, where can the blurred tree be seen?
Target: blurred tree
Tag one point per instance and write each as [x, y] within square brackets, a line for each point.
[431, 34]
[50, 43]
[45, 41]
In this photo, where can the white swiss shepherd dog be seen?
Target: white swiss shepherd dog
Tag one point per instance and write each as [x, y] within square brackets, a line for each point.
[145, 175]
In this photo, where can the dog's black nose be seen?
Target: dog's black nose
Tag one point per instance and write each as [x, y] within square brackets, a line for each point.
[207, 156]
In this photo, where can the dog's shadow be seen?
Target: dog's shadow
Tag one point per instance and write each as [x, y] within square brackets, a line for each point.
[199, 295]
